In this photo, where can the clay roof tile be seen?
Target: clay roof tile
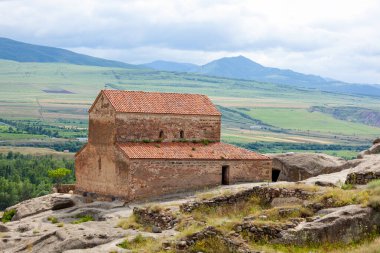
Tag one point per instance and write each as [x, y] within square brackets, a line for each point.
[161, 103]
[196, 151]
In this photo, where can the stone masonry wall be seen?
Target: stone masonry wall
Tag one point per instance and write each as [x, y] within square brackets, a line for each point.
[265, 194]
[95, 170]
[149, 178]
[101, 122]
[138, 126]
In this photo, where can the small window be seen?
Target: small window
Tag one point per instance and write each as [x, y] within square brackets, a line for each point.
[161, 136]
[100, 163]
[182, 134]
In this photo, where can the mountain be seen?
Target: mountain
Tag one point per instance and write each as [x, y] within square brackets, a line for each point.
[241, 67]
[238, 67]
[171, 66]
[24, 52]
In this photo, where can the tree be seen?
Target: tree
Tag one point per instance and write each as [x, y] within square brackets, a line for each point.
[58, 174]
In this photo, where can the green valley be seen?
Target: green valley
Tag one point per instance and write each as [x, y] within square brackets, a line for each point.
[56, 97]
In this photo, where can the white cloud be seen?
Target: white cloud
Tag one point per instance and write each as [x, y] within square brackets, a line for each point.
[338, 39]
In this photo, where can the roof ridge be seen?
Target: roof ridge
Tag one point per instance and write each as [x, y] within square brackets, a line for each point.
[157, 92]
[161, 102]
[185, 150]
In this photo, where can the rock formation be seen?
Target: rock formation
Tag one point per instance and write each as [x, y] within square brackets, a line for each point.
[299, 166]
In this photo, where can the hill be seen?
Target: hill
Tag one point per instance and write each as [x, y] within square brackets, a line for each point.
[238, 67]
[56, 97]
[24, 52]
[241, 67]
[171, 66]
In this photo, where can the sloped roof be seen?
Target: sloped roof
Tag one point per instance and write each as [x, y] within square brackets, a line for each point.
[188, 151]
[161, 103]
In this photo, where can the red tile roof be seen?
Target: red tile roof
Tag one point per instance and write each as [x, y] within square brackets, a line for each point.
[156, 102]
[189, 151]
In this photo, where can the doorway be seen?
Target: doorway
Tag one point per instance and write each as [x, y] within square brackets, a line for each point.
[275, 175]
[225, 175]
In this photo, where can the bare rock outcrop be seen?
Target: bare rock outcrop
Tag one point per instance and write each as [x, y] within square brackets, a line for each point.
[299, 166]
[374, 150]
[367, 170]
[353, 223]
[34, 206]
[66, 239]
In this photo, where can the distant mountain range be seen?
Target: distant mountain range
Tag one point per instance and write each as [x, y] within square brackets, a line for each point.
[24, 52]
[171, 66]
[238, 67]
[241, 67]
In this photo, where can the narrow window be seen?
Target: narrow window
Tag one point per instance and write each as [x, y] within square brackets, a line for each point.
[161, 136]
[100, 163]
[182, 134]
[225, 175]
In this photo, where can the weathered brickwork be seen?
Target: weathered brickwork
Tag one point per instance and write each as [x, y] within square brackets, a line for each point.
[157, 177]
[138, 126]
[101, 122]
[102, 167]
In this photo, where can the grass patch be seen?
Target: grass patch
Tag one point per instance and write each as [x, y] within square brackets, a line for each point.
[141, 244]
[130, 223]
[335, 197]
[82, 219]
[211, 245]
[8, 215]
[224, 217]
[374, 200]
[300, 186]
[213, 194]
[53, 219]
[369, 245]
[347, 187]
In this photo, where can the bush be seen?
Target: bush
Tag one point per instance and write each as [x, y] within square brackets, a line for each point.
[8, 215]
[348, 187]
[211, 245]
[53, 219]
[138, 242]
[82, 219]
[374, 200]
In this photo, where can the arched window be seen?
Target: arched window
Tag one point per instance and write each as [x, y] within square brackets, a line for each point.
[182, 134]
[161, 136]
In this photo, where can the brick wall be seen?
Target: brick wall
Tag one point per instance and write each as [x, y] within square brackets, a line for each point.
[95, 170]
[135, 126]
[156, 177]
[101, 122]
[142, 178]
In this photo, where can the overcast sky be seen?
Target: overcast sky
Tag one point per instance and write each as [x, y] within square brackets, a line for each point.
[334, 38]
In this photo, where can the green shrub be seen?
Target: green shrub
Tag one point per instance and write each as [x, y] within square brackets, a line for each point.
[8, 215]
[348, 187]
[53, 219]
[211, 245]
[205, 142]
[138, 242]
[82, 219]
[374, 200]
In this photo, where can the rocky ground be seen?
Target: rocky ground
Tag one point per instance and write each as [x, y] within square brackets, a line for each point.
[334, 212]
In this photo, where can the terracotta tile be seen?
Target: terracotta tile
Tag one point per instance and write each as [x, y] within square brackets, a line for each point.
[189, 151]
[156, 102]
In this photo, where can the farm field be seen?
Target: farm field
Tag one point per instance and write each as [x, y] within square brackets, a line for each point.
[35, 151]
[58, 96]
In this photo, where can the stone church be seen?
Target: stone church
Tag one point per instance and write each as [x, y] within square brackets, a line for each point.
[146, 144]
